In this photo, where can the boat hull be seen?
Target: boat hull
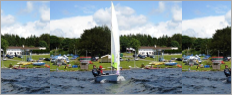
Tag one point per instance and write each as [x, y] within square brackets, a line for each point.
[38, 63]
[229, 79]
[170, 63]
[110, 78]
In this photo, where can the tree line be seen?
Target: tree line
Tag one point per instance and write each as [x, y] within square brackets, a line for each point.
[221, 41]
[97, 42]
[31, 41]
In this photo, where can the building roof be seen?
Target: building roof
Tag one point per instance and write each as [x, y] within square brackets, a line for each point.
[25, 47]
[157, 47]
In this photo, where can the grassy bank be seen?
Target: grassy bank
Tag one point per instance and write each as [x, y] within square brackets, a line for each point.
[16, 60]
[124, 64]
[204, 62]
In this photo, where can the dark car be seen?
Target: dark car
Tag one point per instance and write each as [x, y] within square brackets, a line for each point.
[152, 56]
[93, 59]
[20, 56]
[47, 59]
[143, 57]
[179, 59]
[226, 59]
[9, 56]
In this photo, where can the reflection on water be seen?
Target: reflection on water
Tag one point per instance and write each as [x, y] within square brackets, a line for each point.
[205, 83]
[28, 81]
[162, 81]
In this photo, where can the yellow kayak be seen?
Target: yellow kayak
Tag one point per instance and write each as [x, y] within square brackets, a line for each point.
[157, 63]
[24, 63]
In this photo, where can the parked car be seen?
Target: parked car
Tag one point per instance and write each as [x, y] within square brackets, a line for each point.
[136, 59]
[67, 60]
[9, 56]
[29, 60]
[20, 56]
[179, 59]
[142, 57]
[94, 59]
[121, 59]
[161, 60]
[185, 60]
[226, 59]
[152, 56]
[53, 60]
[47, 59]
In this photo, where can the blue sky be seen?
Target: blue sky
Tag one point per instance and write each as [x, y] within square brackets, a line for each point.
[63, 9]
[151, 13]
[202, 18]
[196, 9]
[20, 10]
[25, 18]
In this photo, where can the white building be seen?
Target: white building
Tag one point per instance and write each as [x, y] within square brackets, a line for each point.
[144, 50]
[11, 50]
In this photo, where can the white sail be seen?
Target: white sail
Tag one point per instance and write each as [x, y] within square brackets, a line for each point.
[115, 46]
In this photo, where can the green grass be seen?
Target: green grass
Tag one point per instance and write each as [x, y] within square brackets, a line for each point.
[186, 67]
[124, 64]
[16, 60]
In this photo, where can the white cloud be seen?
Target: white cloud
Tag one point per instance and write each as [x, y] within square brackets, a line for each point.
[177, 14]
[7, 20]
[45, 13]
[160, 9]
[28, 9]
[203, 27]
[1, 11]
[129, 23]
[125, 15]
[228, 17]
[71, 27]
[11, 26]
[25, 30]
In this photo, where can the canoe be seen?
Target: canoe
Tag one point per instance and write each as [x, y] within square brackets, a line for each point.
[38, 63]
[170, 63]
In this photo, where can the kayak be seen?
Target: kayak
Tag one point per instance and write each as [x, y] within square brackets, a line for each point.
[170, 63]
[20, 68]
[179, 66]
[157, 63]
[24, 63]
[38, 63]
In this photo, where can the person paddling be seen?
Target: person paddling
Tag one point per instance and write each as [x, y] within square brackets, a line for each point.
[227, 71]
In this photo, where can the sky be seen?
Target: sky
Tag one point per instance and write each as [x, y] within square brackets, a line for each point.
[25, 18]
[156, 18]
[201, 19]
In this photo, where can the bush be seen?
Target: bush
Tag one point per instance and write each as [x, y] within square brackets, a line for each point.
[208, 62]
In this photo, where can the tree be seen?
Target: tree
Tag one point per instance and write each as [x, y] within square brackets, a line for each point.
[54, 42]
[175, 44]
[186, 42]
[221, 41]
[4, 44]
[97, 41]
[134, 44]
[43, 44]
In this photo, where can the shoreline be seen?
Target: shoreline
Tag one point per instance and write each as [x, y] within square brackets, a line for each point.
[109, 70]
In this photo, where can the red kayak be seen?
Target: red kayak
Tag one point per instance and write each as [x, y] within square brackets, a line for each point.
[20, 68]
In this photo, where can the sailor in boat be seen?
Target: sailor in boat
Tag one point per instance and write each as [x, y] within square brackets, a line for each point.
[95, 71]
[227, 71]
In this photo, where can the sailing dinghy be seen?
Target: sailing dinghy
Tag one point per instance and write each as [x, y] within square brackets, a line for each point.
[115, 52]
